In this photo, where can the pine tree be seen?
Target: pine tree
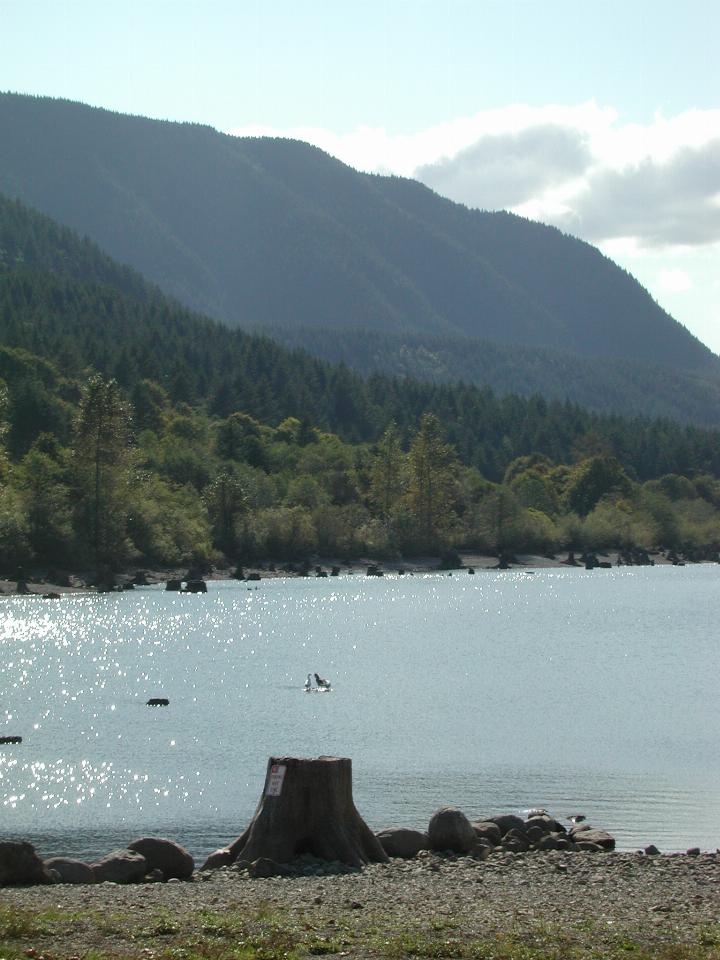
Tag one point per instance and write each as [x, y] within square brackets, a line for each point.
[387, 476]
[431, 486]
[102, 461]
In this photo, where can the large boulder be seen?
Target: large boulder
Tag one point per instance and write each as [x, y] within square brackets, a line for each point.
[508, 821]
[20, 865]
[450, 829]
[402, 842]
[487, 831]
[166, 855]
[71, 871]
[591, 835]
[120, 866]
[516, 840]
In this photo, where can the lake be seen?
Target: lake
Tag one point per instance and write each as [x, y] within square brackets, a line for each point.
[582, 692]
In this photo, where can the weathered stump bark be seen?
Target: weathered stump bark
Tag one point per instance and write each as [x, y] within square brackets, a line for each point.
[307, 807]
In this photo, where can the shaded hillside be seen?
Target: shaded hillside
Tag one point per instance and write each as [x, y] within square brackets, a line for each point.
[275, 232]
[605, 385]
[63, 300]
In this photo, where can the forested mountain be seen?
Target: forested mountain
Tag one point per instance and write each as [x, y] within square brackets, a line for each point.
[135, 431]
[263, 232]
[67, 310]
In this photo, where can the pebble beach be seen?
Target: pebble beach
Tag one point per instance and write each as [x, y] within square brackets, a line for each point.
[566, 904]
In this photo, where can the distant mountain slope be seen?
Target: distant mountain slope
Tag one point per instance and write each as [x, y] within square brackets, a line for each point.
[596, 383]
[262, 232]
[66, 309]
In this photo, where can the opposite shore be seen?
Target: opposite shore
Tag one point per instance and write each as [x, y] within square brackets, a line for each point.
[44, 582]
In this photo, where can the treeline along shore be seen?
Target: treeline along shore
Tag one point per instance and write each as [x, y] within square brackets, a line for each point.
[133, 481]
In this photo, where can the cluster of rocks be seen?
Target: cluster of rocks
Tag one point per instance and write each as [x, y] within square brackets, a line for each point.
[152, 859]
[450, 830]
[146, 860]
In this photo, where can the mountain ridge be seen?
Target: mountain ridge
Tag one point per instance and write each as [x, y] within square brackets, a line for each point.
[265, 232]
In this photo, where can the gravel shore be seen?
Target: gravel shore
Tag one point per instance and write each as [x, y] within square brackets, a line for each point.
[586, 902]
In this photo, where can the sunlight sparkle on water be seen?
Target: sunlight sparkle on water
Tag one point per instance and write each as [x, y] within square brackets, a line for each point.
[445, 690]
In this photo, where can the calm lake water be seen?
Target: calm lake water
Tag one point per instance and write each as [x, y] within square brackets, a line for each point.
[583, 692]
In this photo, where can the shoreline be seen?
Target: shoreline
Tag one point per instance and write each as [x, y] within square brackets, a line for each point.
[39, 584]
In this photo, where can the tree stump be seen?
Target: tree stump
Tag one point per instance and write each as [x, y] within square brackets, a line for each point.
[307, 807]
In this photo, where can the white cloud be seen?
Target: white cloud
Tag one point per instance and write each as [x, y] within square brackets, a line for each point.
[507, 169]
[665, 203]
[674, 280]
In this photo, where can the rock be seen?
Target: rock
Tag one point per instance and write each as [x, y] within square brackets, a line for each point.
[481, 850]
[173, 585]
[120, 866]
[586, 846]
[217, 859]
[600, 837]
[450, 829]
[651, 850]
[693, 852]
[265, 867]
[20, 865]
[546, 823]
[156, 876]
[508, 821]
[165, 855]
[514, 846]
[401, 842]
[518, 838]
[548, 842]
[71, 871]
[487, 830]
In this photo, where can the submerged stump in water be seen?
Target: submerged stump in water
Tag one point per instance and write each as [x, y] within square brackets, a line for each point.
[307, 807]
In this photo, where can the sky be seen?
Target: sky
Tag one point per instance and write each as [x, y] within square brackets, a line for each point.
[598, 116]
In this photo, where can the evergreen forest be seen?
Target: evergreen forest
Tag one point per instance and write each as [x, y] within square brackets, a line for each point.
[135, 432]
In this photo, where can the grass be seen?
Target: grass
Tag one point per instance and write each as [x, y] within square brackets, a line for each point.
[266, 934]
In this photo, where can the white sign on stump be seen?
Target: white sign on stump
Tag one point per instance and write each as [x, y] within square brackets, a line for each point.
[275, 780]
